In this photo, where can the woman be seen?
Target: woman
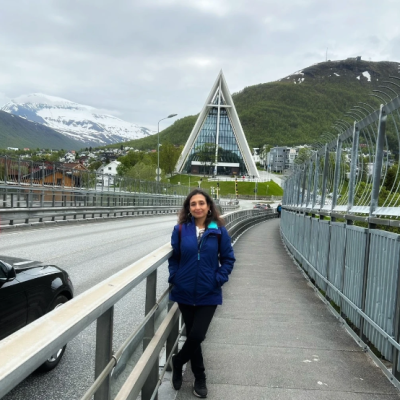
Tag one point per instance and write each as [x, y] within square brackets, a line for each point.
[197, 275]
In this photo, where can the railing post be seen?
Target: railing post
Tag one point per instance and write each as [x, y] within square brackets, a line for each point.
[380, 143]
[298, 188]
[31, 177]
[303, 190]
[5, 170]
[325, 176]
[151, 382]
[353, 166]
[364, 283]
[19, 171]
[171, 338]
[104, 338]
[315, 188]
[337, 172]
[310, 171]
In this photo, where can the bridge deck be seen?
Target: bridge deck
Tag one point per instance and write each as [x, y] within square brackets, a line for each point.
[273, 338]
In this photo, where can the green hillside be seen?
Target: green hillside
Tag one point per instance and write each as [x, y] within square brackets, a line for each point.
[18, 132]
[296, 109]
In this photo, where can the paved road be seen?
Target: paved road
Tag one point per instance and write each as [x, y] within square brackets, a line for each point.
[90, 252]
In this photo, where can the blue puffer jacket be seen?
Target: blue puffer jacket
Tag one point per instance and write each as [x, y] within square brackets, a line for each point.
[194, 269]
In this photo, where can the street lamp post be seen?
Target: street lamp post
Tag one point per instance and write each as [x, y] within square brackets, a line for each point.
[158, 147]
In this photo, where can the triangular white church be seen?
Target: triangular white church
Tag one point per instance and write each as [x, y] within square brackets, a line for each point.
[217, 145]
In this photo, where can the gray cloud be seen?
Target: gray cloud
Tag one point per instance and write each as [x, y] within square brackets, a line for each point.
[147, 59]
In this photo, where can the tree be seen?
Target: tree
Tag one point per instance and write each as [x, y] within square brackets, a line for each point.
[142, 171]
[131, 159]
[304, 155]
[169, 155]
[391, 177]
[95, 165]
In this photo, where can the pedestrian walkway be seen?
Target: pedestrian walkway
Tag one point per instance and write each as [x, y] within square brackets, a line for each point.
[273, 338]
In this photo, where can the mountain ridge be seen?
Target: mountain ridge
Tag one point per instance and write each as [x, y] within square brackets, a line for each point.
[20, 133]
[79, 122]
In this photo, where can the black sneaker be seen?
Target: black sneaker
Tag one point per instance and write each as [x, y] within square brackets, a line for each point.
[176, 377]
[200, 388]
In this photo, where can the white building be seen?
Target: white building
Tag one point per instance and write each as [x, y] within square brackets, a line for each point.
[106, 173]
[217, 144]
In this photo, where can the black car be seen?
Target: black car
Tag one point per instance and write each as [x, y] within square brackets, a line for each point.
[28, 290]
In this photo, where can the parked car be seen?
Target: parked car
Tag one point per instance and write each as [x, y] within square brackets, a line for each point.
[28, 290]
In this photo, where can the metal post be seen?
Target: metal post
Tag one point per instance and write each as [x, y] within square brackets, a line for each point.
[315, 189]
[337, 172]
[380, 143]
[19, 170]
[104, 338]
[151, 381]
[310, 171]
[303, 190]
[42, 173]
[172, 337]
[353, 166]
[365, 278]
[298, 203]
[5, 170]
[325, 176]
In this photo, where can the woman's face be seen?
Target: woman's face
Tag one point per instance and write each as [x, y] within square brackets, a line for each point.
[198, 206]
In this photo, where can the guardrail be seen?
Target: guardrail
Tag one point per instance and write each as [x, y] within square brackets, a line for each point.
[357, 269]
[24, 216]
[26, 197]
[24, 351]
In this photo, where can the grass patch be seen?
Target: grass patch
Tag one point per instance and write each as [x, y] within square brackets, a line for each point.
[227, 189]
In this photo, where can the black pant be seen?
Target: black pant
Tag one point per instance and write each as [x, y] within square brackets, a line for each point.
[197, 320]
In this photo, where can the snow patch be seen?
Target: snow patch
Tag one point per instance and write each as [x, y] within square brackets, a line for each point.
[336, 74]
[367, 75]
[358, 77]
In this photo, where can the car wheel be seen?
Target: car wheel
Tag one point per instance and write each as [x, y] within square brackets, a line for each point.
[55, 358]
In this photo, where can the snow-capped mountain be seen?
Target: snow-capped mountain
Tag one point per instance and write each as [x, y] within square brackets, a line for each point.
[83, 123]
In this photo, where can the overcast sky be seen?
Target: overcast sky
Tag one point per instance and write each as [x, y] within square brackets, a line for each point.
[143, 60]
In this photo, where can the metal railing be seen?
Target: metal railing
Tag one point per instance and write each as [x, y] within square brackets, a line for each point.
[353, 175]
[28, 173]
[358, 171]
[358, 270]
[25, 350]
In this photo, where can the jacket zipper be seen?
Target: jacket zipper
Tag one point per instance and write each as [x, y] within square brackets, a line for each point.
[198, 267]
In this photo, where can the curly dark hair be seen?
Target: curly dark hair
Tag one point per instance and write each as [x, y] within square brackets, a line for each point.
[184, 217]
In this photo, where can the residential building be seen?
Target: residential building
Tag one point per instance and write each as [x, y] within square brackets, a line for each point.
[106, 173]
